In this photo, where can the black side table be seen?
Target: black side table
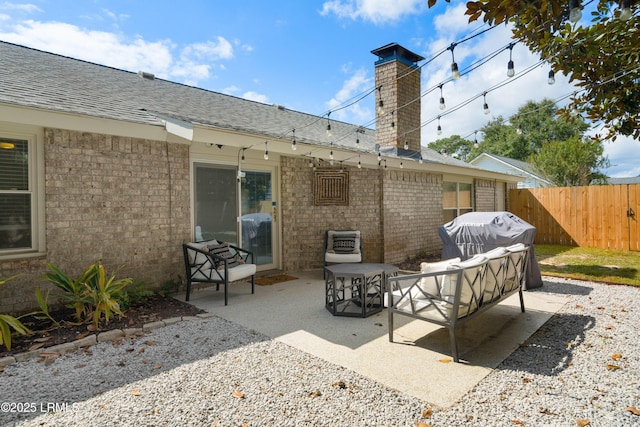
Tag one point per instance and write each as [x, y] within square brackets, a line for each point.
[354, 290]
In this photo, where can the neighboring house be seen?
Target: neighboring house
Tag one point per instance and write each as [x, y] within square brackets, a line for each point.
[493, 162]
[627, 180]
[100, 163]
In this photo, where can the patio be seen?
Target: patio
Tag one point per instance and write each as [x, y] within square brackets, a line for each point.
[416, 363]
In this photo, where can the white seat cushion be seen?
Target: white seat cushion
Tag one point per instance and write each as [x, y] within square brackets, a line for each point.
[333, 257]
[236, 273]
[429, 284]
[472, 283]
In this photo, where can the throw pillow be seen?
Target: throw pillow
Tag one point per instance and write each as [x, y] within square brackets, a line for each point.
[222, 250]
[344, 244]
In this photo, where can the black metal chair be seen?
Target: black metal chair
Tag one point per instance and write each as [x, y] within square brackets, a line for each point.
[219, 263]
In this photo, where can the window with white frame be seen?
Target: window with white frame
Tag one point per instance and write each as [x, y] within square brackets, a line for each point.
[457, 199]
[21, 218]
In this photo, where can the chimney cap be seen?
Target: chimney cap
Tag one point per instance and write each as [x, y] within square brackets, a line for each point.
[395, 51]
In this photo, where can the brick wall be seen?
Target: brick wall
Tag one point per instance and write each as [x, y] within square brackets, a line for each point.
[303, 224]
[120, 200]
[400, 92]
[412, 214]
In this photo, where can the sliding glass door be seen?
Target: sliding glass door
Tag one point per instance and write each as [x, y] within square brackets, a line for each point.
[217, 208]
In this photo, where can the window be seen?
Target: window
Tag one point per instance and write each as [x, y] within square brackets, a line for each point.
[21, 219]
[456, 199]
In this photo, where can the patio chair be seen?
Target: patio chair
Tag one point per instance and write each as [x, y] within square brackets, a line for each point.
[342, 247]
[219, 263]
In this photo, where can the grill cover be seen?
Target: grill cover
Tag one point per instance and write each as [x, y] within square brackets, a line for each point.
[478, 232]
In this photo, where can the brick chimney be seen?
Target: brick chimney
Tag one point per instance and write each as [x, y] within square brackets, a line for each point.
[398, 83]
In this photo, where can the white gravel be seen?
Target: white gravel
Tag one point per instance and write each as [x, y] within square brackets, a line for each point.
[583, 365]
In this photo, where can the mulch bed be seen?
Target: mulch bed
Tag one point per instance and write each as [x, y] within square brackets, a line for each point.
[45, 335]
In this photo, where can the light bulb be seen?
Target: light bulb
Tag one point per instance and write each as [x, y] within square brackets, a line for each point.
[439, 130]
[442, 104]
[510, 70]
[266, 155]
[294, 147]
[310, 163]
[486, 108]
[454, 71]
[401, 165]
[625, 12]
[380, 107]
[575, 11]
[359, 165]
[329, 129]
[420, 160]
[379, 157]
[406, 145]
[574, 111]
[357, 140]
[331, 155]
[518, 130]
[552, 77]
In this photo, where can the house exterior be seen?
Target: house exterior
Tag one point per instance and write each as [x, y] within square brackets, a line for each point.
[100, 163]
[493, 162]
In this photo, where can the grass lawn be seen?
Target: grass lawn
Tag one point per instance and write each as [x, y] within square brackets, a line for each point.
[598, 265]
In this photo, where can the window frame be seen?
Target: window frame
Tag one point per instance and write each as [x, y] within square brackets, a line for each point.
[456, 210]
[36, 188]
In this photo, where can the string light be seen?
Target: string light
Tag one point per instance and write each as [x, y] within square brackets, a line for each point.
[329, 124]
[294, 147]
[475, 139]
[266, 152]
[310, 163]
[439, 127]
[455, 74]
[486, 106]
[420, 159]
[552, 77]
[510, 69]
[401, 165]
[625, 10]
[442, 104]
[575, 11]
[359, 163]
[380, 102]
[406, 144]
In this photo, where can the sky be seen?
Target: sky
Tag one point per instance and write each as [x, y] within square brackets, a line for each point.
[310, 56]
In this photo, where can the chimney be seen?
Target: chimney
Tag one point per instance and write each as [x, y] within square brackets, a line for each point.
[397, 100]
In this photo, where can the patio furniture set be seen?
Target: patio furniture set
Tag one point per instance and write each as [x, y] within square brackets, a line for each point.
[447, 293]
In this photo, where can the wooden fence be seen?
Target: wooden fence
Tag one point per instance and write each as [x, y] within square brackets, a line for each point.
[596, 216]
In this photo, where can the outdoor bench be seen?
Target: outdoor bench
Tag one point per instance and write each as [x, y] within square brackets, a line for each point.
[451, 292]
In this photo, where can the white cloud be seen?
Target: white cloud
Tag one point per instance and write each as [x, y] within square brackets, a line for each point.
[503, 101]
[376, 11]
[28, 8]
[231, 90]
[209, 50]
[193, 64]
[624, 155]
[352, 87]
[255, 96]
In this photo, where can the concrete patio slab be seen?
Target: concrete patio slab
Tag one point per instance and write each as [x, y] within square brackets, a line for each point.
[418, 362]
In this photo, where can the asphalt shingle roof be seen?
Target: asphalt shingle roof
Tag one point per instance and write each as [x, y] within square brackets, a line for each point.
[43, 80]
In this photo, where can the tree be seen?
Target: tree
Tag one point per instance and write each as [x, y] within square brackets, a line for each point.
[602, 58]
[575, 161]
[454, 146]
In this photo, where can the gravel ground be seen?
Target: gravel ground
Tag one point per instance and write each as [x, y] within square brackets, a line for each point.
[581, 368]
